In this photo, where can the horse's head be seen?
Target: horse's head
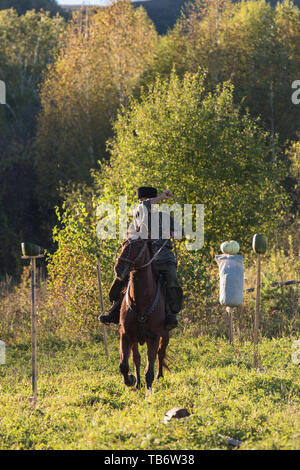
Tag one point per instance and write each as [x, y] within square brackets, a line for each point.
[132, 257]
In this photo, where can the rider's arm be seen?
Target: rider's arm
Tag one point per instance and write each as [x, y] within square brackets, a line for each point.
[165, 195]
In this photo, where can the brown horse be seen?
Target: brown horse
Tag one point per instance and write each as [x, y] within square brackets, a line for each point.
[142, 315]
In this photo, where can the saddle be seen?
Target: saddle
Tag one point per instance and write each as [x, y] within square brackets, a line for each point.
[120, 289]
[117, 294]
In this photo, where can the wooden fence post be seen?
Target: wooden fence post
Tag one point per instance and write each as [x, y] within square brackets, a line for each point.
[33, 257]
[256, 315]
[33, 332]
[230, 312]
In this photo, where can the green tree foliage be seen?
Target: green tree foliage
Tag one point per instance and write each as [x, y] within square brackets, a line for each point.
[103, 57]
[197, 144]
[250, 43]
[293, 228]
[99, 64]
[265, 62]
[72, 268]
[28, 43]
[293, 154]
[202, 147]
[164, 13]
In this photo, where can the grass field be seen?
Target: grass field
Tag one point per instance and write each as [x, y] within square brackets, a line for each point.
[82, 403]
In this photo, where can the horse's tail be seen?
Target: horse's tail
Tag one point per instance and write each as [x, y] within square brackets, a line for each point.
[166, 361]
[166, 358]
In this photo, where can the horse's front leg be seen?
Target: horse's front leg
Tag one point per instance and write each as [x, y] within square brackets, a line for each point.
[152, 347]
[129, 380]
[136, 359]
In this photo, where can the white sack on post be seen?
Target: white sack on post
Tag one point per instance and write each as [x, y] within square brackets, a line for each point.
[231, 272]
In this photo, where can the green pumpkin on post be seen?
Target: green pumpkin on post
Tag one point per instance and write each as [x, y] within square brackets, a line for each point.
[230, 248]
[30, 249]
[259, 244]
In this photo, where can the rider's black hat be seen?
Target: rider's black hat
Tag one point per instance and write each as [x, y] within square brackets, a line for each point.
[146, 191]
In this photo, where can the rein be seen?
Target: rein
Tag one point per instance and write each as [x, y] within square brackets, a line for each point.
[154, 256]
[127, 260]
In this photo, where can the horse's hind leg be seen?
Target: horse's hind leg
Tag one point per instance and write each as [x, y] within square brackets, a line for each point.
[136, 358]
[152, 347]
[124, 357]
[163, 343]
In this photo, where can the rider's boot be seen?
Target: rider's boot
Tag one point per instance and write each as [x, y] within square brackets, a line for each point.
[113, 315]
[171, 319]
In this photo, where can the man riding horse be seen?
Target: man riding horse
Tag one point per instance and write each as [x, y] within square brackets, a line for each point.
[163, 263]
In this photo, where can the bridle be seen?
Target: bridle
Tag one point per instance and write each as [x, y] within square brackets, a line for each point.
[130, 261]
[133, 262]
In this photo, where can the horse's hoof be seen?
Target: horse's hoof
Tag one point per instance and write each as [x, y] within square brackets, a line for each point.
[131, 380]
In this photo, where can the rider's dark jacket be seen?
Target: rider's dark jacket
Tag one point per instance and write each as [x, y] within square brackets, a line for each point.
[157, 226]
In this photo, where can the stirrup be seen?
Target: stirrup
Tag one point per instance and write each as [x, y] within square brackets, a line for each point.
[113, 316]
[106, 319]
[171, 321]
